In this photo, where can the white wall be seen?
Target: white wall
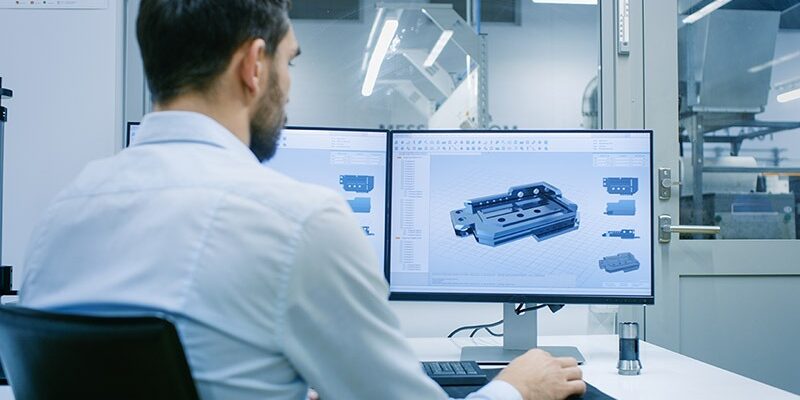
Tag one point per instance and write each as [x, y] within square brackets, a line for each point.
[537, 74]
[64, 68]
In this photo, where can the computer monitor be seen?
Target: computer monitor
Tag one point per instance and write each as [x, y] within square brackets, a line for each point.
[133, 127]
[352, 162]
[549, 217]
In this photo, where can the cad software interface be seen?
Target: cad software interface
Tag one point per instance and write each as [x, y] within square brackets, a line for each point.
[556, 213]
[352, 163]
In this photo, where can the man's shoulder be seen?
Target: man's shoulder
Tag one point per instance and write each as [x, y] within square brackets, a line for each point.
[150, 172]
[269, 188]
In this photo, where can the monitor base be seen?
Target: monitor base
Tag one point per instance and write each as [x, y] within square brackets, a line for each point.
[520, 335]
[497, 355]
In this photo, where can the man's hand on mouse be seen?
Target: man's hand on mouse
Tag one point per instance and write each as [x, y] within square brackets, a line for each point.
[539, 376]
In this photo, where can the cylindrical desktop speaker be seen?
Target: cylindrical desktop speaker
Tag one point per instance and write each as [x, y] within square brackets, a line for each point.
[629, 363]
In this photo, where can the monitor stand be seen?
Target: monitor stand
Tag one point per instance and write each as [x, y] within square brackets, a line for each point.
[519, 335]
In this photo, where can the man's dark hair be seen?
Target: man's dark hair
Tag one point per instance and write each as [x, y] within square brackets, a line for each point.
[187, 44]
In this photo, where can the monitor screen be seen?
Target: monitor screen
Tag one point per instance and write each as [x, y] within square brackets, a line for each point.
[351, 162]
[546, 216]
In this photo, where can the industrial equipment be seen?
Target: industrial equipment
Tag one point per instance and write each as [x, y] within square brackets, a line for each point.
[725, 73]
[431, 57]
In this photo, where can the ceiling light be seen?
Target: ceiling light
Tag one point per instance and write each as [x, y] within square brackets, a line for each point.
[378, 54]
[708, 9]
[789, 96]
[781, 60]
[437, 48]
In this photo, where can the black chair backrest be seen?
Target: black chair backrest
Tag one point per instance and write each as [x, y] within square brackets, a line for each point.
[58, 356]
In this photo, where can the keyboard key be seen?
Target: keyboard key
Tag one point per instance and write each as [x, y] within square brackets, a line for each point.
[455, 373]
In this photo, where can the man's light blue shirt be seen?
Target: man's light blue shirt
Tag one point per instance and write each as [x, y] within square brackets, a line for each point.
[270, 282]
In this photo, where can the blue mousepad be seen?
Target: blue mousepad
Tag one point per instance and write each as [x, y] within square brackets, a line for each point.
[460, 392]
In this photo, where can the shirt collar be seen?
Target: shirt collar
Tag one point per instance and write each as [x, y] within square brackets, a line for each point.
[187, 126]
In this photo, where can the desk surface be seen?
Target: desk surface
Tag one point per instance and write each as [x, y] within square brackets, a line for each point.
[665, 374]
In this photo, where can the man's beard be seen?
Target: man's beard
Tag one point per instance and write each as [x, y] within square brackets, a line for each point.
[268, 121]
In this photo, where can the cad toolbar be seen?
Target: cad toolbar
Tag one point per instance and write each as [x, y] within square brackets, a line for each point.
[311, 139]
[520, 142]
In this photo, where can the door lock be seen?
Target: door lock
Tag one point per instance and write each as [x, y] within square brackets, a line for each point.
[665, 183]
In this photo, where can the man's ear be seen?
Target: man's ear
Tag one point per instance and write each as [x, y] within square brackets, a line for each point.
[253, 67]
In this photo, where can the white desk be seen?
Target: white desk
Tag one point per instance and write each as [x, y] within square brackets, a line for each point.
[665, 374]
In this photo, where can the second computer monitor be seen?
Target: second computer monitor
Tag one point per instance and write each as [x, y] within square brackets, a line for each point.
[349, 161]
[557, 217]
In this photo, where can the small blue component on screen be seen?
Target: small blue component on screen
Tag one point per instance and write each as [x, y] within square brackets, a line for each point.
[537, 210]
[366, 230]
[625, 262]
[622, 234]
[360, 204]
[622, 207]
[357, 183]
[623, 186]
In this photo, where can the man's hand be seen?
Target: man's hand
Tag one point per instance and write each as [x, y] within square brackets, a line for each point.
[539, 376]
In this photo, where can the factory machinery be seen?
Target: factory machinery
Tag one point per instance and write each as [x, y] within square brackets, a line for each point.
[723, 88]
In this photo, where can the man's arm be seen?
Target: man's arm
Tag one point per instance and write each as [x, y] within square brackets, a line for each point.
[338, 329]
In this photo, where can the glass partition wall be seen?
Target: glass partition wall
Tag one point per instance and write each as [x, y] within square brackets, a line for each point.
[417, 65]
[739, 85]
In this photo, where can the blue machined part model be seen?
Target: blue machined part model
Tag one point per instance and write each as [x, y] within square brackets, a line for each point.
[360, 204]
[537, 210]
[367, 231]
[622, 234]
[622, 207]
[625, 262]
[357, 183]
[623, 186]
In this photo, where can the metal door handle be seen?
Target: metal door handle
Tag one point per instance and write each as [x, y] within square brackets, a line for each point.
[666, 229]
[709, 229]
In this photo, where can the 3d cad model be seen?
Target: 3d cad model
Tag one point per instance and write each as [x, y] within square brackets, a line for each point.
[622, 207]
[624, 186]
[625, 262]
[367, 231]
[622, 234]
[536, 210]
[360, 204]
[357, 183]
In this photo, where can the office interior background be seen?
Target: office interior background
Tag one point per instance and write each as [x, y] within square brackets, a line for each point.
[726, 86]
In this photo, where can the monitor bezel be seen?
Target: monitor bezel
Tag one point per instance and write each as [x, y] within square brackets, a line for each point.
[515, 297]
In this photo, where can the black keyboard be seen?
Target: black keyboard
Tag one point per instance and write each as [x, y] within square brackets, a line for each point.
[455, 373]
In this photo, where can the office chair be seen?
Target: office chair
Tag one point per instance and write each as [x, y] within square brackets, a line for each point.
[58, 356]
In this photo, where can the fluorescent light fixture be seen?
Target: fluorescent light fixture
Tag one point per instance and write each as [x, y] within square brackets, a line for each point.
[437, 48]
[781, 60]
[708, 9]
[789, 96]
[378, 54]
[585, 2]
